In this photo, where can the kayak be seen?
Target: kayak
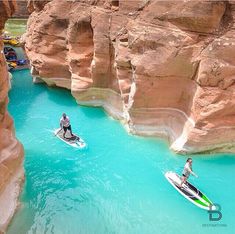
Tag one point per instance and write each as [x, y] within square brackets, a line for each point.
[14, 42]
[11, 41]
[74, 141]
[190, 192]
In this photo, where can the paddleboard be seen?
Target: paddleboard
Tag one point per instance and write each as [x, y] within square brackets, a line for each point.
[191, 193]
[74, 141]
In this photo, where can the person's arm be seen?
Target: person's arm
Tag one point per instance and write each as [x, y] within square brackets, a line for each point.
[194, 174]
[191, 171]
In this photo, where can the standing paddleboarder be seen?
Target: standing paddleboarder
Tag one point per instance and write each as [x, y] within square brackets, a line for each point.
[187, 171]
[65, 124]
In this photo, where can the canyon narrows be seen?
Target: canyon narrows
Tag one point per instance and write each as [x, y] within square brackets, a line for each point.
[165, 68]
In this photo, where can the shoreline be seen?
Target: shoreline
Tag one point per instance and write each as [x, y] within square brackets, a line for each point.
[170, 124]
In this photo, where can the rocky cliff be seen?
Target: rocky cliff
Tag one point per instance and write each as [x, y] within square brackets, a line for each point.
[165, 68]
[21, 9]
[11, 151]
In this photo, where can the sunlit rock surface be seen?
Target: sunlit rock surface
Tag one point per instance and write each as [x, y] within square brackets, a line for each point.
[166, 68]
[11, 151]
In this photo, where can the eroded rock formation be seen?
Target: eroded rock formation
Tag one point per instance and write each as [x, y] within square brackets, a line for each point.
[166, 68]
[11, 151]
[21, 9]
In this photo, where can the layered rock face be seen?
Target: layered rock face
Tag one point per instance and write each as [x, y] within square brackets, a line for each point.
[11, 151]
[166, 68]
[21, 9]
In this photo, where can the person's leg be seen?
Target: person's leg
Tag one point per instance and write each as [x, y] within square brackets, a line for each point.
[65, 130]
[70, 129]
[183, 180]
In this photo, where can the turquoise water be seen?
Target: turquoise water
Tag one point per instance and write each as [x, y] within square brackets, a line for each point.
[117, 185]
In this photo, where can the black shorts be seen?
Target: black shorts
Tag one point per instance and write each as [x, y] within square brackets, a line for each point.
[67, 128]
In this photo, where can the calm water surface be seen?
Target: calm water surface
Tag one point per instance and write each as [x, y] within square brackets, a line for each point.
[117, 185]
[16, 27]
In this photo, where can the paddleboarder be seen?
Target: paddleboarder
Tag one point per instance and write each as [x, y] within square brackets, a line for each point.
[65, 124]
[187, 171]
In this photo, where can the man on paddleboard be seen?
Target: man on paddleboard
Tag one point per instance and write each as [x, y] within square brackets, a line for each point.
[187, 171]
[65, 124]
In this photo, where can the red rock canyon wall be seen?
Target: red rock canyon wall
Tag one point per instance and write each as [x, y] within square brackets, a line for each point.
[165, 68]
[11, 151]
[21, 9]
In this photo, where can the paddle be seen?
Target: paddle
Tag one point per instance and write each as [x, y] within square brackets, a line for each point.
[58, 132]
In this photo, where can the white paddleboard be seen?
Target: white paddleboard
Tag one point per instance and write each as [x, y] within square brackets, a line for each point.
[189, 191]
[74, 141]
